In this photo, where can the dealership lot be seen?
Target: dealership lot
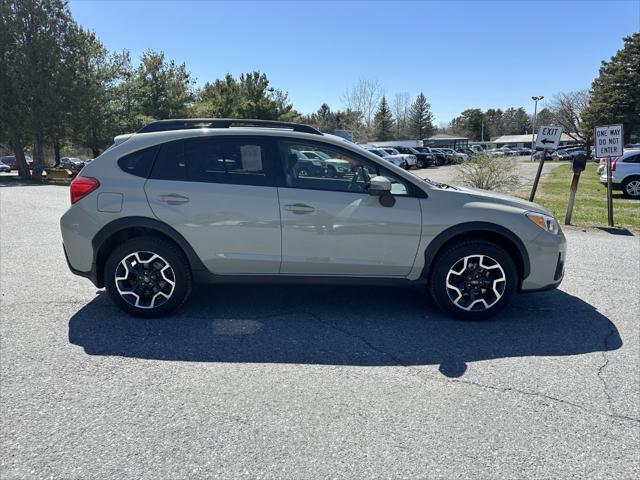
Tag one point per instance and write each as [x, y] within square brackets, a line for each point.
[300, 381]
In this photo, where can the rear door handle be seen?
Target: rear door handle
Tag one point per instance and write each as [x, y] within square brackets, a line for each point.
[174, 199]
[299, 208]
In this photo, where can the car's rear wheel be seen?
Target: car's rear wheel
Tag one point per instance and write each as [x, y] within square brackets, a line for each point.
[147, 277]
[473, 280]
[420, 163]
[631, 187]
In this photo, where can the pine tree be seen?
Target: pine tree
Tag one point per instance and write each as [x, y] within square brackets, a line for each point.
[615, 94]
[420, 123]
[383, 121]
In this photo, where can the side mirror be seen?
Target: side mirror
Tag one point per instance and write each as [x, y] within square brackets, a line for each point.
[379, 186]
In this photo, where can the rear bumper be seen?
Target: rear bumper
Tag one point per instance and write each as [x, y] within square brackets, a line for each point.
[615, 185]
[91, 274]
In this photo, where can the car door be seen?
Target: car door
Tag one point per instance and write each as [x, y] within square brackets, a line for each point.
[219, 192]
[332, 226]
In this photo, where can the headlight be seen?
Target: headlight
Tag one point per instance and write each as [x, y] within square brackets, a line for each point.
[546, 222]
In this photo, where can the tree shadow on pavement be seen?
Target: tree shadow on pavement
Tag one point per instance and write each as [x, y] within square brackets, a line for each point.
[359, 326]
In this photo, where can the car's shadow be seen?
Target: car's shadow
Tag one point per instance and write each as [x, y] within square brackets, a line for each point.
[342, 326]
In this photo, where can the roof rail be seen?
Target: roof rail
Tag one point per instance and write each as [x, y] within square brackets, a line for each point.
[187, 123]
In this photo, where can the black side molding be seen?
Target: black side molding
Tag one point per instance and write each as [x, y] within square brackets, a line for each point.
[471, 227]
[147, 223]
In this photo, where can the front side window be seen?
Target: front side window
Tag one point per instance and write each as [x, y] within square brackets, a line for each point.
[333, 169]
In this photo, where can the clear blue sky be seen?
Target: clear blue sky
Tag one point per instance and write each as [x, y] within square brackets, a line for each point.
[461, 54]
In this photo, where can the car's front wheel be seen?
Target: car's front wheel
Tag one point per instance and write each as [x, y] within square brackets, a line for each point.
[473, 280]
[147, 277]
[631, 187]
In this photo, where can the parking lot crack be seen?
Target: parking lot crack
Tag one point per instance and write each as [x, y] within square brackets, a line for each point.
[602, 368]
[426, 377]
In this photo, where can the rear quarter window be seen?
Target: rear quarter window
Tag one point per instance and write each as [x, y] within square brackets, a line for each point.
[138, 163]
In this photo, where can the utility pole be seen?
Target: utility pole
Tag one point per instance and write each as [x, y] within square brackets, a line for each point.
[533, 127]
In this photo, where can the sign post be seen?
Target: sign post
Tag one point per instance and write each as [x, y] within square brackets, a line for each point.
[548, 138]
[608, 140]
[579, 164]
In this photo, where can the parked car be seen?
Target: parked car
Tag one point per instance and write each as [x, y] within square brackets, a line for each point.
[453, 156]
[335, 167]
[538, 155]
[439, 157]
[467, 151]
[625, 174]
[173, 205]
[70, 162]
[423, 159]
[495, 152]
[524, 151]
[11, 161]
[4, 168]
[395, 159]
[306, 167]
[560, 154]
[410, 160]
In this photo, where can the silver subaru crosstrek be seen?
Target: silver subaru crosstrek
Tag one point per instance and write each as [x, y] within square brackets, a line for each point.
[228, 200]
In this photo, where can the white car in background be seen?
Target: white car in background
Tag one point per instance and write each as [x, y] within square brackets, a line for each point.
[625, 173]
[408, 159]
[395, 159]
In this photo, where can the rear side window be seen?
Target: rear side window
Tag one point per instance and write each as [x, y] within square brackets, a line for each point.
[632, 159]
[226, 161]
[233, 160]
[170, 164]
[138, 163]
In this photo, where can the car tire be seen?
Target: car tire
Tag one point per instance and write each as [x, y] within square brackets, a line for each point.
[332, 172]
[420, 164]
[631, 187]
[147, 292]
[473, 280]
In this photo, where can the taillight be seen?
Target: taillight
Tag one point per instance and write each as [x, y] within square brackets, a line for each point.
[82, 186]
[613, 164]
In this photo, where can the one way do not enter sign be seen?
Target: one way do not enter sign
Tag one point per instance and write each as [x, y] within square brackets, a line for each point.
[608, 140]
[548, 137]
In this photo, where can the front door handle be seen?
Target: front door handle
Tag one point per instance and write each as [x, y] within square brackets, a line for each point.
[299, 208]
[174, 199]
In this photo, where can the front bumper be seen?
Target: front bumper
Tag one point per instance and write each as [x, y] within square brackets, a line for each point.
[547, 255]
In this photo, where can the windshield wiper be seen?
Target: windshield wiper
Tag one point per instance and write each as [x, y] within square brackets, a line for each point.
[439, 184]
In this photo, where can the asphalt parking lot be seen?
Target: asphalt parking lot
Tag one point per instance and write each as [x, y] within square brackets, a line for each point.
[524, 168]
[302, 382]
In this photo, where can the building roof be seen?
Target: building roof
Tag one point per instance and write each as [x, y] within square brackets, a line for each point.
[527, 138]
[444, 136]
